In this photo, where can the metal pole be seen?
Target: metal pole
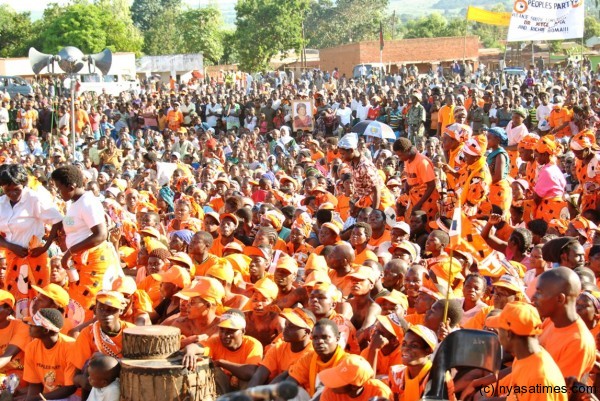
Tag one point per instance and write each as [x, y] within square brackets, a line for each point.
[532, 55]
[72, 76]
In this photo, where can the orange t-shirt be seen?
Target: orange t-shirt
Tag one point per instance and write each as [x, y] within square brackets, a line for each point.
[419, 171]
[536, 369]
[558, 118]
[86, 345]
[217, 203]
[343, 206]
[445, 116]
[280, 357]
[17, 334]
[174, 119]
[384, 362]
[81, 120]
[469, 102]
[50, 367]
[478, 321]
[301, 371]
[415, 318]
[249, 353]
[371, 389]
[573, 348]
[364, 256]
[375, 242]
[202, 268]
[217, 248]
[318, 155]
[152, 288]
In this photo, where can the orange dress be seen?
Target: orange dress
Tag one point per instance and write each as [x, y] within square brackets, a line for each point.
[419, 172]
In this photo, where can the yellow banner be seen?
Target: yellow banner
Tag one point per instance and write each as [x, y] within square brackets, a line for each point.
[488, 17]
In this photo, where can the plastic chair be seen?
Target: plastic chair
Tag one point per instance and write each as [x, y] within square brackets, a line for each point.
[463, 349]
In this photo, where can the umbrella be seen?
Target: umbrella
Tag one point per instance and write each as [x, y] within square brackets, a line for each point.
[374, 129]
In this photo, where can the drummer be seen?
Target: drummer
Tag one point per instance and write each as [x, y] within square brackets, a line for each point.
[105, 335]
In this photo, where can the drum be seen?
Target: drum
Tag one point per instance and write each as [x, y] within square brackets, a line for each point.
[151, 342]
[166, 380]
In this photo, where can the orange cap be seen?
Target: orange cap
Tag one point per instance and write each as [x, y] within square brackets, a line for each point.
[426, 334]
[363, 273]
[257, 251]
[232, 320]
[231, 216]
[184, 260]
[239, 262]
[233, 246]
[176, 275]
[152, 244]
[267, 288]
[328, 289]
[316, 262]
[333, 227]
[128, 255]
[124, 285]
[151, 231]
[222, 270]
[55, 292]
[316, 276]
[392, 323]
[7, 298]
[353, 369]
[111, 298]
[509, 282]
[406, 246]
[207, 288]
[521, 318]
[298, 318]
[287, 263]
[396, 297]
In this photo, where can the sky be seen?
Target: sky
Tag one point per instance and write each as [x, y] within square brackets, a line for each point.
[36, 7]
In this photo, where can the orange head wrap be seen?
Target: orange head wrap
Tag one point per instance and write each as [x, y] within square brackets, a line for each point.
[547, 144]
[458, 132]
[584, 140]
[529, 142]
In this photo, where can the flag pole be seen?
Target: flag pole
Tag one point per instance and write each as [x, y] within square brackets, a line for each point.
[457, 214]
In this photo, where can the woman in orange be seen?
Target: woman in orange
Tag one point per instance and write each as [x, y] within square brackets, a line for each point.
[527, 154]
[473, 185]
[183, 218]
[85, 228]
[587, 165]
[498, 163]
[453, 140]
[550, 185]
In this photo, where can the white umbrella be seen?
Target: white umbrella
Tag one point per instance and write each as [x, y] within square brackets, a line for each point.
[374, 129]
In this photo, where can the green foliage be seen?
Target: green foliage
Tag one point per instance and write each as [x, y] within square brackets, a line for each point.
[200, 33]
[267, 27]
[144, 11]
[121, 34]
[230, 55]
[591, 27]
[15, 32]
[163, 35]
[433, 26]
[331, 24]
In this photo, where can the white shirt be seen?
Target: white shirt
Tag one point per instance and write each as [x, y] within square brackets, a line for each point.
[216, 109]
[112, 392]
[345, 115]
[28, 217]
[542, 114]
[515, 134]
[81, 216]
[362, 111]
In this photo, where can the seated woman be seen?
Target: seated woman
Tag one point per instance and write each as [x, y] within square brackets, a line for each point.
[183, 218]
[14, 337]
[408, 379]
[263, 320]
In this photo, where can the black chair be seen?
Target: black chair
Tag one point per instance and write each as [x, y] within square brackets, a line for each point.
[475, 349]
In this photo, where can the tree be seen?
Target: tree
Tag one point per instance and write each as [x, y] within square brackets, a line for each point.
[78, 25]
[200, 30]
[330, 24]
[267, 27]
[144, 11]
[230, 55]
[591, 27]
[163, 36]
[432, 26]
[121, 34]
[15, 32]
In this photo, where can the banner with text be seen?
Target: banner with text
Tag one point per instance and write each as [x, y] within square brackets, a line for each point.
[546, 20]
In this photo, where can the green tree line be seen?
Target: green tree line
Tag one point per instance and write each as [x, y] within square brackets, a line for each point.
[263, 28]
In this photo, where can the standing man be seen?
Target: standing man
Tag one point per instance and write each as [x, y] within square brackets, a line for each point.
[415, 118]
[368, 185]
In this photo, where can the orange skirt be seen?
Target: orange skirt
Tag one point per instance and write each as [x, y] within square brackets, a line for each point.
[551, 208]
[91, 265]
[387, 200]
[430, 206]
[501, 195]
[21, 273]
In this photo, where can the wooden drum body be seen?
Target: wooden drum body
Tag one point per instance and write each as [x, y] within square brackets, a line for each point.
[166, 380]
[151, 342]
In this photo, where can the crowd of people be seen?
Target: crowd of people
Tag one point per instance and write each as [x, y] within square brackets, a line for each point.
[335, 261]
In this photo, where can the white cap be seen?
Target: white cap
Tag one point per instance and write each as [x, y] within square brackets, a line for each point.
[349, 141]
[402, 225]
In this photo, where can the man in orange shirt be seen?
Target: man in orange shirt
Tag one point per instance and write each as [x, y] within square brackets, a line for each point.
[105, 335]
[353, 378]
[175, 117]
[47, 367]
[445, 114]
[379, 231]
[519, 326]
[198, 250]
[296, 343]
[327, 354]
[565, 335]
[420, 179]
[231, 351]
[559, 118]
[14, 337]
[81, 118]
[384, 349]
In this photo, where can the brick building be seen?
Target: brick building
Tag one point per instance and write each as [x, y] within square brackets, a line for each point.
[422, 52]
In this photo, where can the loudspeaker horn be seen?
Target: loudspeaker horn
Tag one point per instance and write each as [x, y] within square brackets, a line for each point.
[102, 61]
[40, 60]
